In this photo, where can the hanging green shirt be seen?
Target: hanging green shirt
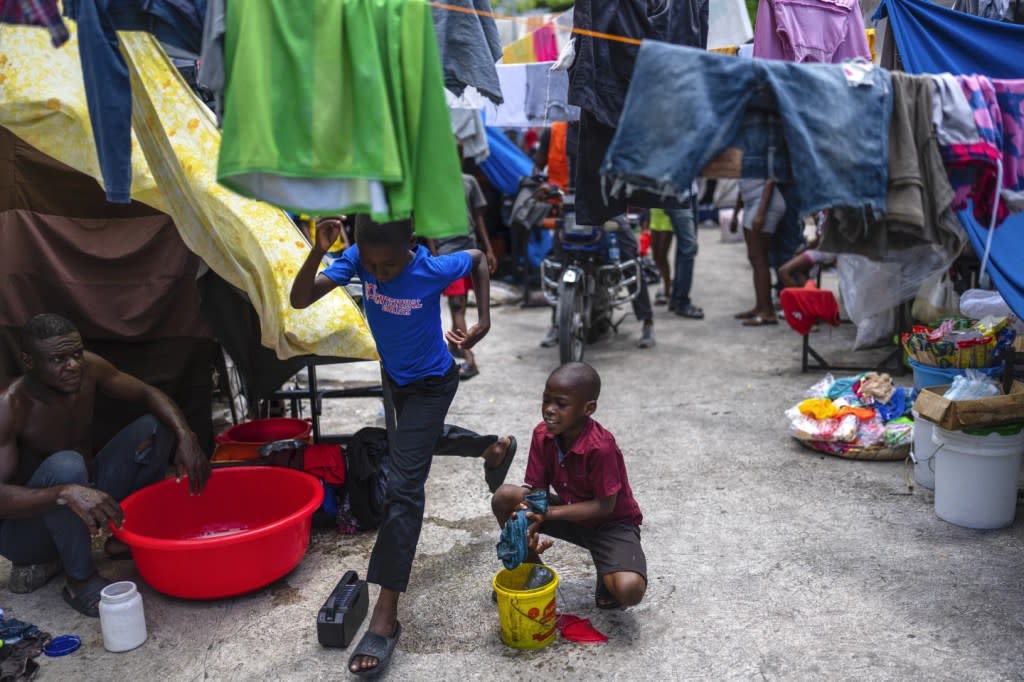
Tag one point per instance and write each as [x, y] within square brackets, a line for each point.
[337, 106]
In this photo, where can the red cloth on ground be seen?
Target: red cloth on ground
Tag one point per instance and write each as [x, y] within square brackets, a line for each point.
[804, 307]
[325, 461]
[576, 629]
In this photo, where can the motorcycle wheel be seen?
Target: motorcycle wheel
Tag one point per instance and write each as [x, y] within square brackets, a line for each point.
[570, 322]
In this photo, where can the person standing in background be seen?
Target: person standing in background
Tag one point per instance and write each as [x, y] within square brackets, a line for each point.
[458, 293]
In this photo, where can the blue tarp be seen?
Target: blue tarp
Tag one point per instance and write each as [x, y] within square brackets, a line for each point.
[933, 39]
[1005, 264]
[507, 164]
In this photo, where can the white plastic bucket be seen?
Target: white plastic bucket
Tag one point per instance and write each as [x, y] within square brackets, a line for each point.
[923, 452]
[976, 476]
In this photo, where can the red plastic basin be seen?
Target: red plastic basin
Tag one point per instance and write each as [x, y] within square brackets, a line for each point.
[242, 443]
[249, 527]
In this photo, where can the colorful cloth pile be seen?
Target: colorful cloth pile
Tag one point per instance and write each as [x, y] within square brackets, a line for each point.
[863, 411]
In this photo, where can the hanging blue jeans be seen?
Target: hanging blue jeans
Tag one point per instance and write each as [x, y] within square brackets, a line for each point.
[108, 89]
[685, 106]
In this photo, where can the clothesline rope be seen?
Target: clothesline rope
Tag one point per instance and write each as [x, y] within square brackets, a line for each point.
[527, 20]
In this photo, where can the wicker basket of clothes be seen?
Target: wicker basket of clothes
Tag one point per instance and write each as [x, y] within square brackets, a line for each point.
[862, 417]
[874, 453]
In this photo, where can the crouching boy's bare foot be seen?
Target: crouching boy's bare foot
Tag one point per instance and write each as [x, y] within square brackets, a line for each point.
[619, 590]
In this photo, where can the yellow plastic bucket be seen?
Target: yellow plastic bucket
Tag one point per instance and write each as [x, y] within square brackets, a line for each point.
[527, 616]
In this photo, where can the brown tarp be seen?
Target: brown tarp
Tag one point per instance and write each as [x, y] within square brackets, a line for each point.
[121, 273]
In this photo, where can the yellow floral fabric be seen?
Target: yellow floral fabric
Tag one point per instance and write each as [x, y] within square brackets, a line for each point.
[175, 144]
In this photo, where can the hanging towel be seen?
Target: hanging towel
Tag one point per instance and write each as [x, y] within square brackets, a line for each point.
[469, 46]
[338, 106]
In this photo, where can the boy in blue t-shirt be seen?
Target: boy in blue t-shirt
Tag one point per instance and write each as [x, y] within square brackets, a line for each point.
[402, 285]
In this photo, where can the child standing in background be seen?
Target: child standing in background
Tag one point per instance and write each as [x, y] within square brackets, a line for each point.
[458, 292]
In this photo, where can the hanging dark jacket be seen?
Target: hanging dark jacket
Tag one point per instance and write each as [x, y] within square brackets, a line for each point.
[600, 75]
[599, 80]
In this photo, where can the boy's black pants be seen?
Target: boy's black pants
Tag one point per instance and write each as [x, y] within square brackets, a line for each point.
[414, 427]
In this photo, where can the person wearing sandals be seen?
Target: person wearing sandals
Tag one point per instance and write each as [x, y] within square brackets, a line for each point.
[402, 285]
[49, 509]
[765, 207]
[591, 504]
[457, 292]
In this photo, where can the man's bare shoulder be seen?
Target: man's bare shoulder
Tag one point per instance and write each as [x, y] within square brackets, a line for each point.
[14, 402]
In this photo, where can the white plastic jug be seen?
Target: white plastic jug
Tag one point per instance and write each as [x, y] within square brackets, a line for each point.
[122, 618]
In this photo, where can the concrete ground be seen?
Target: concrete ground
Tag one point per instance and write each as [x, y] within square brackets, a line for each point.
[766, 560]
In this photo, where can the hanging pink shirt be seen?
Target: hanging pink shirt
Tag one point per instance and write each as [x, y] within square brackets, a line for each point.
[822, 31]
[545, 45]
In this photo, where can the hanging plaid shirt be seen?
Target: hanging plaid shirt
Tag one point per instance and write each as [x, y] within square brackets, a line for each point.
[36, 13]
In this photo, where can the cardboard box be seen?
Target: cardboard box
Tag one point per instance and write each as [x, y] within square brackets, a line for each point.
[971, 414]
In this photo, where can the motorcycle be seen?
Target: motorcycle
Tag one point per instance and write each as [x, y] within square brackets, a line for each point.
[586, 281]
[532, 205]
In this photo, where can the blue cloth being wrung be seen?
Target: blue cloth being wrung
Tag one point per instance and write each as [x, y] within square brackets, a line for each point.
[512, 543]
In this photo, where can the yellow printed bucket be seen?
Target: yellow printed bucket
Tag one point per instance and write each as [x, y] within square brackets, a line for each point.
[527, 616]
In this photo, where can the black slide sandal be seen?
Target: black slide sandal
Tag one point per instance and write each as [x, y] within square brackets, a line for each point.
[375, 646]
[87, 601]
[496, 476]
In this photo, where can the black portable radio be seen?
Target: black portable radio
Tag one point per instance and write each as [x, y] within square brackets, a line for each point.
[343, 612]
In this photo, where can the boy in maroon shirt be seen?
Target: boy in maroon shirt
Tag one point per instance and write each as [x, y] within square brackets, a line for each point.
[590, 502]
